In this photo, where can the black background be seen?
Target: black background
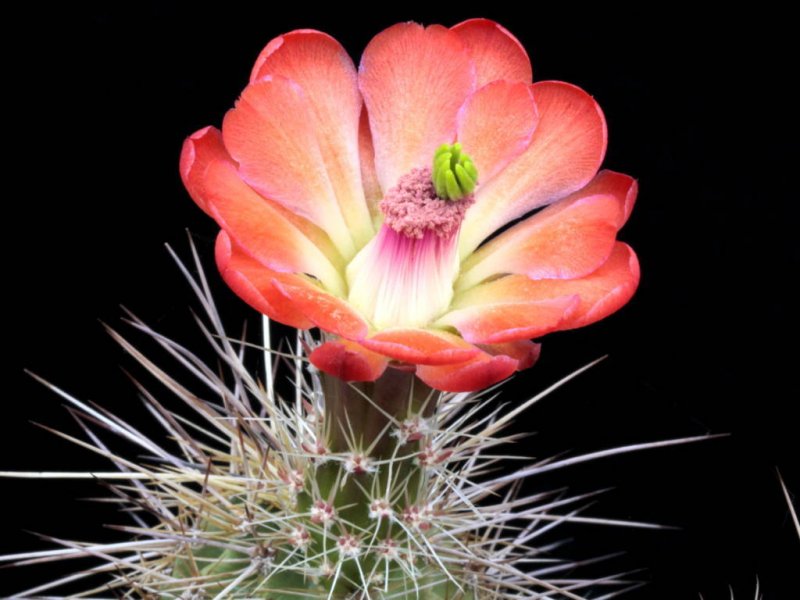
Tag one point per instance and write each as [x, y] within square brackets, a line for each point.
[698, 109]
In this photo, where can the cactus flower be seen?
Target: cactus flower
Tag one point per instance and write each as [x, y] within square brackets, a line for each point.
[432, 210]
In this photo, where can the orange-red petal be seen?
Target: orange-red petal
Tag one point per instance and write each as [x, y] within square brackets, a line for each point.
[621, 186]
[566, 240]
[326, 311]
[369, 177]
[525, 352]
[566, 150]
[272, 134]
[420, 346]
[496, 52]
[477, 373]
[205, 147]
[496, 124]
[603, 292]
[252, 282]
[199, 150]
[514, 306]
[324, 71]
[261, 230]
[413, 80]
[490, 319]
[348, 361]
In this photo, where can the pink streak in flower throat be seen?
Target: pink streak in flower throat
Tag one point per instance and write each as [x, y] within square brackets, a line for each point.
[404, 276]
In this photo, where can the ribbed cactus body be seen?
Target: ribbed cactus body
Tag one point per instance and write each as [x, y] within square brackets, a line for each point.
[315, 489]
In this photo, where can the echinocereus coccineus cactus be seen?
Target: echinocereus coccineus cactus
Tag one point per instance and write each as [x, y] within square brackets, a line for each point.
[420, 219]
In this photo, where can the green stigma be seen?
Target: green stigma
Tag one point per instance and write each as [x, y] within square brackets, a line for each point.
[454, 174]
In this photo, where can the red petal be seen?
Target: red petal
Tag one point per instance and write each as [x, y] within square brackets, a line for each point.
[476, 374]
[487, 311]
[566, 150]
[206, 147]
[200, 149]
[272, 134]
[420, 346]
[496, 52]
[323, 69]
[261, 230]
[413, 80]
[325, 310]
[348, 361]
[566, 240]
[495, 125]
[252, 282]
[525, 352]
[369, 177]
[621, 186]
[491, 320]
[605, 291]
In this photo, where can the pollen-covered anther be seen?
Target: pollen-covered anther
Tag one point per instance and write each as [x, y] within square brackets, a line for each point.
[322, 513]
[349, 546]
[358, 464]
[413, 207]
[380, 509]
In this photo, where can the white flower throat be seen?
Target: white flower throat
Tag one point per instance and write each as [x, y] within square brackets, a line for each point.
[404, 276]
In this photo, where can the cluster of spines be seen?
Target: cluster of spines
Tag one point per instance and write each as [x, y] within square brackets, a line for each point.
[256, 504]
